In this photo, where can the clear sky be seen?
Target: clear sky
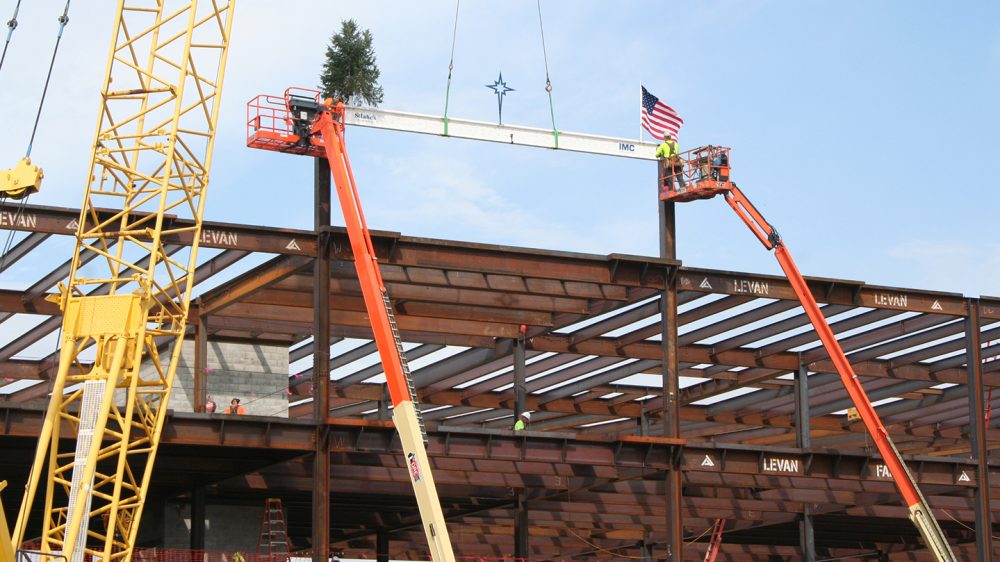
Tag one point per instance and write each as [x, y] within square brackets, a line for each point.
[865, 131]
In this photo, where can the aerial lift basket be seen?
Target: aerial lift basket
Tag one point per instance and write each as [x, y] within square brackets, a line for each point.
[282, 123]
[701, 173]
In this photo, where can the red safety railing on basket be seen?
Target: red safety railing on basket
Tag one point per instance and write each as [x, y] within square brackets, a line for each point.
[269, 127]
[699, 173]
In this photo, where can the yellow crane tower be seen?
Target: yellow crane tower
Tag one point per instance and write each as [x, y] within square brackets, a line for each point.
[152, 152]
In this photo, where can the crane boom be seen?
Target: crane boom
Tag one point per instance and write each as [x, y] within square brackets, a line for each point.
[703, 173]
[128, 292]
[307, 125]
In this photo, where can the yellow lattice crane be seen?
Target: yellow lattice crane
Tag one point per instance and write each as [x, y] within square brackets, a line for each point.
[152, 153]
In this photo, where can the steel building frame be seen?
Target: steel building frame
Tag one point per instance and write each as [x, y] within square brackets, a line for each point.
[607, 465]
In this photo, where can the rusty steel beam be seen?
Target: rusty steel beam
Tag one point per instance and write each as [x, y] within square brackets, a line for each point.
[37, 289]
[746, 318]
[501, 261]
[250, 282]
[838, 326]
[983, 514]
[320, 485]
[826, 291]
[21, 249]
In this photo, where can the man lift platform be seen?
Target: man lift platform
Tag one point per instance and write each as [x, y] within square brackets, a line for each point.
[706, 173]
[301, 122]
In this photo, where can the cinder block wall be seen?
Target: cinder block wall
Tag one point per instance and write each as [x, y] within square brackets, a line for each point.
[228, 528]
[256, 374]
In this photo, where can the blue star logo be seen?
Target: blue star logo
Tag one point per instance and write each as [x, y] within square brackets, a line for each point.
[500, 88]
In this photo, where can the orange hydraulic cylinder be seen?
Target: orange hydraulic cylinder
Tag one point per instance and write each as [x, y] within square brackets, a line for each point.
[364, 255]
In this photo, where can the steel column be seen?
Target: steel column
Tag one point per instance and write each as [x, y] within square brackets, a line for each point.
[321, 366]
[646, 550]
[671, 380]
[198, 518]
[807, 538]
[521, 526]
[977, 430]
[382, 545]
[200, 363]
[802, 408]
[520, 369]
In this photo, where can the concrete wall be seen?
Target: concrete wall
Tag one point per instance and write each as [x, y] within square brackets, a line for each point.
[228, 528]
[256, 374]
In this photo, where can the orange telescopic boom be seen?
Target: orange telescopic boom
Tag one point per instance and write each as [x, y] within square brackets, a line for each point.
[703, 173]
[302, 123]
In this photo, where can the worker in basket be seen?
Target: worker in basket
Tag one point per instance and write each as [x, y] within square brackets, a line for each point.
[670, 162]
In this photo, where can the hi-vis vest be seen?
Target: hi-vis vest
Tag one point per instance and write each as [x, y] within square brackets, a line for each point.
[667, 149]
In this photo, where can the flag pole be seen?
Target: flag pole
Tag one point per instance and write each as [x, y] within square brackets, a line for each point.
[640, 111]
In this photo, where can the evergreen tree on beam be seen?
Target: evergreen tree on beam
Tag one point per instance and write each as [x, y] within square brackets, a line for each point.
[350, 72]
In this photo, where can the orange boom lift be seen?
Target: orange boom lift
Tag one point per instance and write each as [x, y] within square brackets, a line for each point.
[302, 123]
[703, 174]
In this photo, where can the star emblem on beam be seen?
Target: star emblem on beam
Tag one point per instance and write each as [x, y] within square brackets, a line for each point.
[500, 88]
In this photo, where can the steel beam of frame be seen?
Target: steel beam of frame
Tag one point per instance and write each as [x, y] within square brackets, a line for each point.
[21, 249]
[747, 357]
[802, 414]
[838, 327]
[252, 281]
[200, 396]
[520, 394]
[734, 465]
[807, 535]
[671, 380]
[747, 318]
[382, 552]
[321, 363]
[830, 291]
[977, 427]
[614, 269]
[369, 372]
[198, 521]
[521, 525]
[18, 302]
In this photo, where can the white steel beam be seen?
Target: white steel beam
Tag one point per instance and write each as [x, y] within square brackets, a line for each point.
[507, 134]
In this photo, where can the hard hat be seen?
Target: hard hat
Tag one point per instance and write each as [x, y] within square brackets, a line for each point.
[667, 135]
[527, 415]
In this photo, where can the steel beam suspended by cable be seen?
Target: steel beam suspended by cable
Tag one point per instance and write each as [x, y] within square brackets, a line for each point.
[507, 134]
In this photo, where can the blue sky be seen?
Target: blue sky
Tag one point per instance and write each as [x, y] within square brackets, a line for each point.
[864, 131]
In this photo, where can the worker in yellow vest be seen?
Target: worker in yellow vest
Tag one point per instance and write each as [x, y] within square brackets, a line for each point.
[522, 421]
[670, 162]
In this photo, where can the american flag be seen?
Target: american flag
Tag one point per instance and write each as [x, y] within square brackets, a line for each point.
[657, 117]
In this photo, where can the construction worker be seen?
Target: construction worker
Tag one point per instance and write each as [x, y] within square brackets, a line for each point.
[238, 557]
[235, 408]
[522, 421]
[670, 162]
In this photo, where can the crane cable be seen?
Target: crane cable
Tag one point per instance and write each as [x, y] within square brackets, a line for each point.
[63, 20]
[451, 66]
[548, 82]
[11, 26]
